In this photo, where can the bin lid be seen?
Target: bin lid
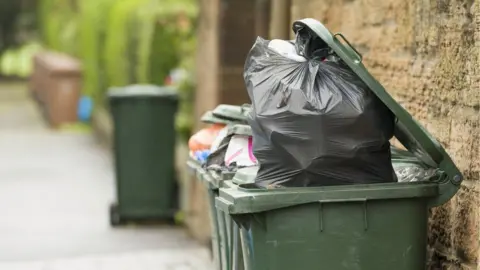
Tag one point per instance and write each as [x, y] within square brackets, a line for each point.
[407, 130]
[241, 200]
[143, 90]
[209, 118]
[226, 114]
[231, 112]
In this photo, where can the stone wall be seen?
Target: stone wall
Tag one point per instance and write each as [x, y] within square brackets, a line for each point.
[426, 53]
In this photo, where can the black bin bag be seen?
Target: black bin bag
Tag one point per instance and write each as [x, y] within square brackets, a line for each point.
[314, 122]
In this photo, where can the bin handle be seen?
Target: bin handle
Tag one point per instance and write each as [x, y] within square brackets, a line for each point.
[360, 56]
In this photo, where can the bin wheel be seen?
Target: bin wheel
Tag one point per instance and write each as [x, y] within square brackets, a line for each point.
[115, 218]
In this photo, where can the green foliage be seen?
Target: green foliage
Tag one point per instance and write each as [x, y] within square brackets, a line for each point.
[166, 53]
[161, 39]
[17, 62]
[121, 42]
[117, 42]
[92, 30]
[59, 21]
[184, 121]
[146, 18]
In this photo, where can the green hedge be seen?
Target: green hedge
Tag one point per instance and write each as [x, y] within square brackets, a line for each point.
[92, 31]
[119, 41]
[122, 42]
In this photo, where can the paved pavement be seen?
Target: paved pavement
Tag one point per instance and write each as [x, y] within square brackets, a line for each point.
[55, 189]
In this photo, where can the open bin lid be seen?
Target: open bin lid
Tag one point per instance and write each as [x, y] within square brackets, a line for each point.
[407, 130]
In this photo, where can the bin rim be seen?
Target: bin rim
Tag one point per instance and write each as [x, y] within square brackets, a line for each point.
[240, 200]
[142, 90]
[240, 129]
[407, 130]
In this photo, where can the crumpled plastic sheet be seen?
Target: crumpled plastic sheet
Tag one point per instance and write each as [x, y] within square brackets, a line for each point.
[414, 173]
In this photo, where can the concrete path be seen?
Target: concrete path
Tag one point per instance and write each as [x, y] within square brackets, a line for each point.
[55, 189]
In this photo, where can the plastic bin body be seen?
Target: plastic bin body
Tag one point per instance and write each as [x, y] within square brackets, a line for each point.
[226, 242]
[221, 226]
[332, 228]
[144, 140]
[235, 247]
[342, 235]
[212, 193]
[225, 233]
[218, 243]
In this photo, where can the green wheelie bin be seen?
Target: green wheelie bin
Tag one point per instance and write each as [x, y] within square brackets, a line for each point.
[216, 241]
[144, 138]
[231, 116]
[224, 226]
[368, 226]
[407, 167]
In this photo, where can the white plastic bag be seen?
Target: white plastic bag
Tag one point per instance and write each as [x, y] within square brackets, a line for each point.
[286, 49]
[240, 151]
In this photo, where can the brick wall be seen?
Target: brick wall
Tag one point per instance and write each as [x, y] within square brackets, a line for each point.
[427, 54]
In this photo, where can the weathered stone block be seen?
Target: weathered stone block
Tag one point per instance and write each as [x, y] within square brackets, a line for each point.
[463, 136]
[440, 227]
[466, 224]
[440, 129]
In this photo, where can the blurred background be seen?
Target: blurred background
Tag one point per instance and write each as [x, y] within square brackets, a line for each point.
[57, 175]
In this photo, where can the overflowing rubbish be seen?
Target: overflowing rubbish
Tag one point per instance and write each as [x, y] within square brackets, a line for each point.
[203, 139]
[314, 122]
[234, 151]
[223, 121]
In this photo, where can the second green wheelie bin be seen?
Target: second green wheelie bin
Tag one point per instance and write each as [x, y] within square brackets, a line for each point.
[234, 117]
[368, 226]
[221, 224]
[407, 167]
[144, 138]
